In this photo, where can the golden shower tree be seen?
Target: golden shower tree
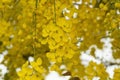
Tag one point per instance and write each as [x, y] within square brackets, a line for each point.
[49, 31]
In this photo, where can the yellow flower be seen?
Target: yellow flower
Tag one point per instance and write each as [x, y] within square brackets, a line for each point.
[44, 41]
[55, 67]
[39, 69]
[50, 55]
[93, 2]
[21, 74]
[56, 37]
[39, 61]
[25, 65]
[101, 5]
[25, 70]
[59, 59]
[65, 38]
[44, 33]
[117, 5]
[35, 77]
[6, 1]
[24, 26]
[43, 1]
[20, 32]
[51, 43]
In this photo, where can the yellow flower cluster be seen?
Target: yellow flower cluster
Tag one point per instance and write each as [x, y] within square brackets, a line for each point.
[4, 38]
[48, 30]
[116, 74]
[6, 1]
[34, 70]
[54, 35]
[94, 69]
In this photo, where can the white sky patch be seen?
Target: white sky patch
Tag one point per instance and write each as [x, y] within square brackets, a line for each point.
[1, 57]
[101, 55]
[75, 15]
[9, 46]
[110, 70]
[5, 52]
[79, 41]
[86, 58]
[86, 3]
[53, 75]
[118, 12]
[65, 10]
[62, 67]
[4, 70]
[98, 18]
[91, 6]
[78, 44]
[107, 50]
[67, 18]
[96, 78]
[79, 2]
[18, 69]
[11, 36]
[76, 4]
[30, 59]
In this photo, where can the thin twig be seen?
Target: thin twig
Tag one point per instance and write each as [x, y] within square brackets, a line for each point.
[55, 11]
[35, 23]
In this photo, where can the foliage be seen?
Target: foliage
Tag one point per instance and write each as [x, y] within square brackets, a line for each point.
[49, 31]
